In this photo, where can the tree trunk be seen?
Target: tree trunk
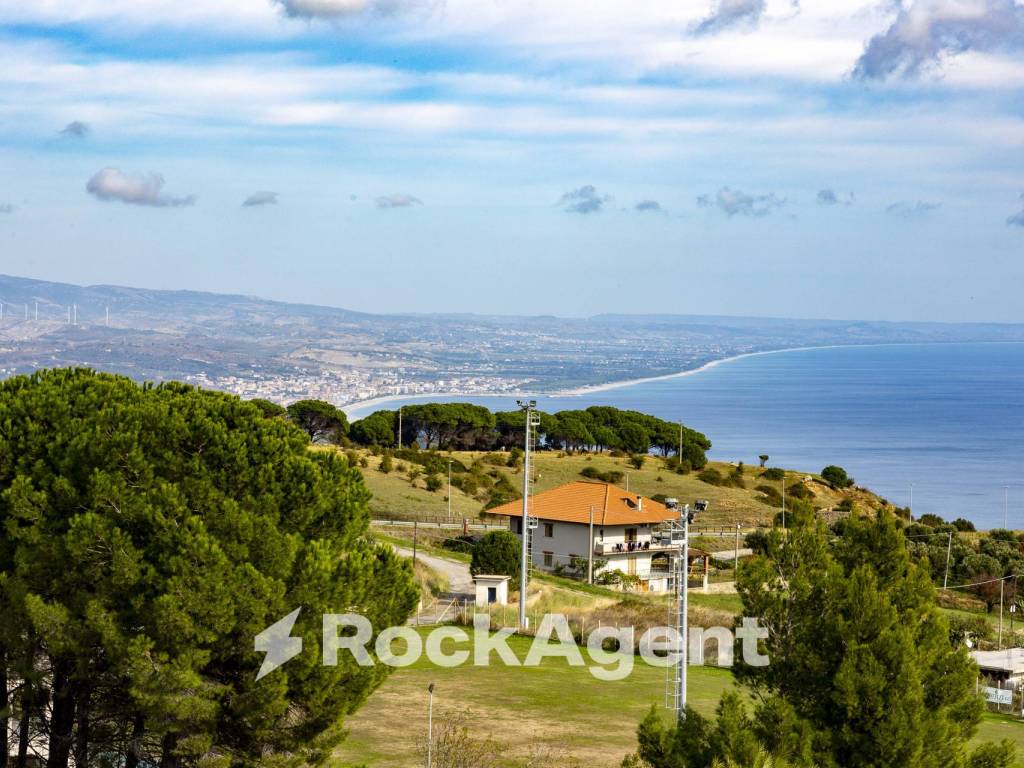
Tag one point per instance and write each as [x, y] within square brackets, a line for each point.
[134, 755]
[82, 726]
[23, 724]
[62, 719]
[4, 703]
[167, 757]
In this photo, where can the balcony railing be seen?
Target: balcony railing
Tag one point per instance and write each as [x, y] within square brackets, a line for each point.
[625, 547]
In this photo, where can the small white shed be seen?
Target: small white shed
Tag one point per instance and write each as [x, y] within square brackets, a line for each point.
[491, 590]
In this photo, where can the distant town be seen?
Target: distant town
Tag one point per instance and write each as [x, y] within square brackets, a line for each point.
[255, 347]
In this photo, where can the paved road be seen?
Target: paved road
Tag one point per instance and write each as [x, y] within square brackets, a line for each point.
[459, 580]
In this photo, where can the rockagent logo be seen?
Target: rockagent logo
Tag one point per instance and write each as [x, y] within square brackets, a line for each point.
[611, 649]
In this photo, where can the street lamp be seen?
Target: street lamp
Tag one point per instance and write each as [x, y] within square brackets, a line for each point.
[1006, 504]
[449, 489]
[430, 725]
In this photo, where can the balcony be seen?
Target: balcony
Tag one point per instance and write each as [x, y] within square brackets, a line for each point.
[626, 547]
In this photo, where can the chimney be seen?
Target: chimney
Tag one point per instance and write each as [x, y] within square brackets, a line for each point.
[639, 503]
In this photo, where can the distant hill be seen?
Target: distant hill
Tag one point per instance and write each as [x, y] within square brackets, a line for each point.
[256, 346]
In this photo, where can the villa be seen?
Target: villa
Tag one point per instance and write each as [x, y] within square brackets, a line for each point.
[606, 525]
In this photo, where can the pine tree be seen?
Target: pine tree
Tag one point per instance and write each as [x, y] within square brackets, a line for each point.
[149, 534]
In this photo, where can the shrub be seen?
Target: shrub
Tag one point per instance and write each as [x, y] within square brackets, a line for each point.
[931, 520]
[386, 464]
[800, 491]
[965, 526]
[774, 474]
[611, 476]
[497, 553]
[836, 476]
[637, 460]
[711, 476]
[434, 483]
[772, 497]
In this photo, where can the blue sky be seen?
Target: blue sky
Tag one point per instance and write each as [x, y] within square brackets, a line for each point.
[849, 158]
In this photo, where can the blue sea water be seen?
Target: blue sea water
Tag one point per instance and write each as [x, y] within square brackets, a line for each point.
[945, 419]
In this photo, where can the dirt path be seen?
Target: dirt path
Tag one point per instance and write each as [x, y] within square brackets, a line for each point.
[460, 582]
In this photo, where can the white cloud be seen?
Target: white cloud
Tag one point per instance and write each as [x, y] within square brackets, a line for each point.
[111, 184]
[649, 206]
[583, 200]
[733, 202]
[731, 13]
[1017, 219]
[76, 129]
[398, 200]
[927, 31]
[263, 197]
[906, 210]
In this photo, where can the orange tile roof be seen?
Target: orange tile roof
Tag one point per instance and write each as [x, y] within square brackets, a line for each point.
[572, 502]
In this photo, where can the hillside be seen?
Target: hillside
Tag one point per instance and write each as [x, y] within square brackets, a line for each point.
[395, 494]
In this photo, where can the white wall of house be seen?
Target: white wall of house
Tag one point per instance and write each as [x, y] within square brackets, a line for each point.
[555, 542]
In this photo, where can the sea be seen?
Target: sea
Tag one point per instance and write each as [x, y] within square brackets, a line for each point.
[938, 427]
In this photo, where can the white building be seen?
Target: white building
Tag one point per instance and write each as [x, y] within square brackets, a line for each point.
[1004, 668]
[618, 529]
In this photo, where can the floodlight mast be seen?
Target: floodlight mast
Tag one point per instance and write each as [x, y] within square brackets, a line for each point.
[529, 409]
[682, 575]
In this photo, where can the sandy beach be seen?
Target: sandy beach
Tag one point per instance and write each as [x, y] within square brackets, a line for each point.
[588, 389]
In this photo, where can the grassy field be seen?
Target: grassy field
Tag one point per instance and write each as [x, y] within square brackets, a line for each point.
[394, 493]
[554, 706]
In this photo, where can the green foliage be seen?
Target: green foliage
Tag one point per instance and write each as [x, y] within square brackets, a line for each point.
[379, 428]
[637, 460]
[434, 483]
[711, 476]
[387, 464]
[773, 474]
[862, 671]
[612, 476]
[150, 532]
[772, 495]
[472, 427]
[965, 526]
[497, 553]
[321, 421]
[836, 476]
[993, 755]
[269, 409]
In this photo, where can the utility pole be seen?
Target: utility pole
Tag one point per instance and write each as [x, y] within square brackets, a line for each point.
[911, 509]
[414, 543]
[1002, 582]
[449, 489]
[679, 453]
[399, 427]
[430, 725]
[590, 557]
[783, 501]
[736, 566]
[949, 549]
[529, 409]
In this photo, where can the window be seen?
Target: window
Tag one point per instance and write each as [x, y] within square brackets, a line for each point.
[549, 530]
[519, 525]
[549, 559]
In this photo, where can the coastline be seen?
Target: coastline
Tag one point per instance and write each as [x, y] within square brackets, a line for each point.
[589, 389]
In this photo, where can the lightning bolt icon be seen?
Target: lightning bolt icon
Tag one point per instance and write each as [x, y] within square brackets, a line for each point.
[277, 643]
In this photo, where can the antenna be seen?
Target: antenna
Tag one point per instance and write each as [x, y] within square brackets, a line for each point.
[108, 317]
[37, 310]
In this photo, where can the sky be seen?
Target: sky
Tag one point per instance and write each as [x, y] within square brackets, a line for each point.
[859, 159]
